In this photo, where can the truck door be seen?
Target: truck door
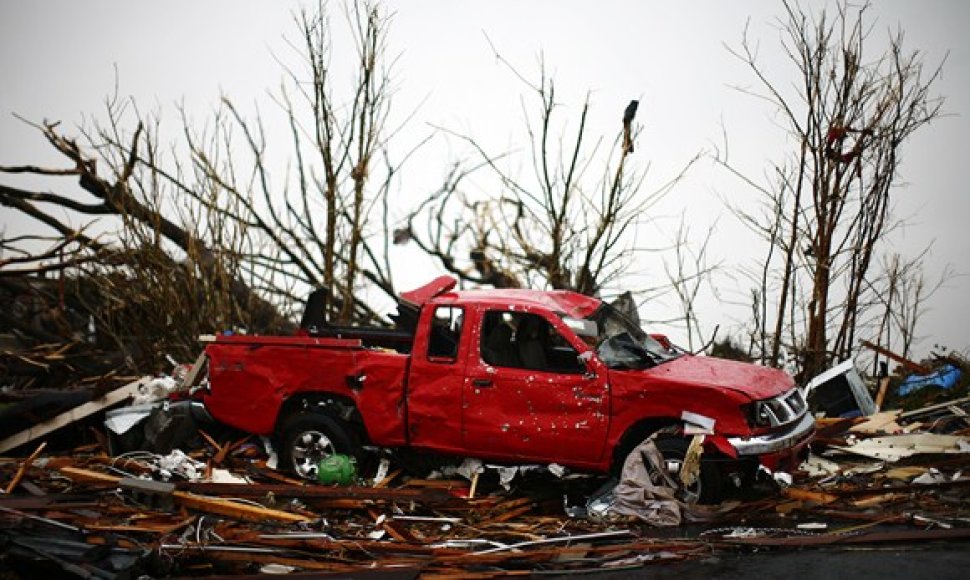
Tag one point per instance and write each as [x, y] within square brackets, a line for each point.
[436, 378]
[527, 397]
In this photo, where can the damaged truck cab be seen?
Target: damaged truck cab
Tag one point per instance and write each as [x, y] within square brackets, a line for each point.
[513, 376]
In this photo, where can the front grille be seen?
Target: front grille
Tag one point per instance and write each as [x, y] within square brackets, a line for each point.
[783, 409]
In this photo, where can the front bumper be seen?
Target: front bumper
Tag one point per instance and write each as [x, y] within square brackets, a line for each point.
[784, 443]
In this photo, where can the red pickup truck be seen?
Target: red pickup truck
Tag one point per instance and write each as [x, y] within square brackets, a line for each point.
[511, 376]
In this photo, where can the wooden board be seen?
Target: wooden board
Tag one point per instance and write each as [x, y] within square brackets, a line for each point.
[72, 415]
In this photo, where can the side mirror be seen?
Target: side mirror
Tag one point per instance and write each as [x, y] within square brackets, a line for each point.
[663, 340]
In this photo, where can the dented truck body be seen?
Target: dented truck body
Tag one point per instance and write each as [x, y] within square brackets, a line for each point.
[515, 376]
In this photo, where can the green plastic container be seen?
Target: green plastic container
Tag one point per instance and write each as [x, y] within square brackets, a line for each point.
[337, 468]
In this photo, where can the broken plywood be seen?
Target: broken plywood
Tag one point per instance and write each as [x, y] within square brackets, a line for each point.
[895, 447]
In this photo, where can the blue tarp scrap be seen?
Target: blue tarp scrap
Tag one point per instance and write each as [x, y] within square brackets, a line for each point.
[945, 377]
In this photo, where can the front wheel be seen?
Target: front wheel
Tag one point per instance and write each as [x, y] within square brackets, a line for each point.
[707, 487]
[309, 438]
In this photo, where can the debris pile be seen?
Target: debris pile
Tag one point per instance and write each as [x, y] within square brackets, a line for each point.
[207, 501]
[892, 477]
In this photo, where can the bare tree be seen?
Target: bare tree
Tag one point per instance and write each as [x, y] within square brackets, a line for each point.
[570, 223]
[828, 201]
[902, 297]
[212, 232]
[318, 227]
[687, 273]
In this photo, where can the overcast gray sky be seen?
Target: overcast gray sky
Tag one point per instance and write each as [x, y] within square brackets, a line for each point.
[58, 61]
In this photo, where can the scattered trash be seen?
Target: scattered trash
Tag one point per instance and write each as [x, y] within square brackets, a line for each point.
[556, 469]
[120, 421]
[931, 476]
[214, 503]
[180, 464]
[157, 389]
[783, 479]
[337, 469]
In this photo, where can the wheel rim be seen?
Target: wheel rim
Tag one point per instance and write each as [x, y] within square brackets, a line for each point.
[690, 493]
[308, 450]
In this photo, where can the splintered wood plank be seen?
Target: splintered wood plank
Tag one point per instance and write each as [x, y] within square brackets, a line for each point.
[228, 508]
[198, 366]
[807, 495]
[340, 504]
[513, 503]
[437, 483]
[911, 365]
[157, 526]
[227, 448]
[89, 476]
[274, 475]
[509, 515]
[201, 503]
[210, 440]
[124, 463]
[71, 416]
[24, 467]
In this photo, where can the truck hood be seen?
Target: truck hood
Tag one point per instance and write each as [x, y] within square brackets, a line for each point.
[756, 382]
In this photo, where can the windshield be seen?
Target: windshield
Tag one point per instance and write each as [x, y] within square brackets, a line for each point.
[622, 344]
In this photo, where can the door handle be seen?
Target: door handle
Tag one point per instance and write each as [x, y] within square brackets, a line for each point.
[482, 383]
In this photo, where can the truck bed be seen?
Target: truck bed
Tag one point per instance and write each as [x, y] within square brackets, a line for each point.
[252, 376]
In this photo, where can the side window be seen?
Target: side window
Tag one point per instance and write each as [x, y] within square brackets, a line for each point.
[526, 341]
[446, 325]
[497, 342]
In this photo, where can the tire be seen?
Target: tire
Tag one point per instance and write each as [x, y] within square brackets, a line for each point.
[708, 488]
[308, 438]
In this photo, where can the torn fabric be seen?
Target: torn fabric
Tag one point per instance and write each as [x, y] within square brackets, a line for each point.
[647, 492]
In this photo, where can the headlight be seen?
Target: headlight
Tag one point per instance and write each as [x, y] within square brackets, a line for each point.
[762, 415]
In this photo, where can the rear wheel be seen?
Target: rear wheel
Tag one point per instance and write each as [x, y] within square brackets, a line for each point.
[309, 438]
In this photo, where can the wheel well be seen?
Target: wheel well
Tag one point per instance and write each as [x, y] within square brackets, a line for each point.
[635, 434]
[336, 406]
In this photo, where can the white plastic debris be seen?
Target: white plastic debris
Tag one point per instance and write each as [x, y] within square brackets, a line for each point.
[178, 463]
[468, 468]
[156, 389]
[895, 447]
[120, 421]
[817, 466]
[273, 459]
[382, 469]
[783, 479]
[932, 476]
[557, 470]
[225, 476]
[506, 475]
